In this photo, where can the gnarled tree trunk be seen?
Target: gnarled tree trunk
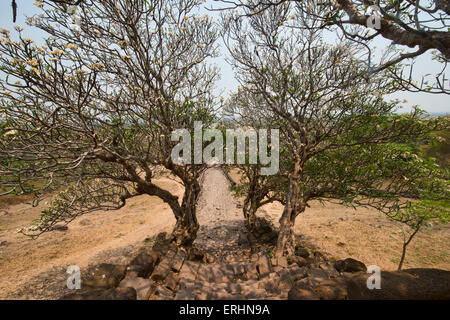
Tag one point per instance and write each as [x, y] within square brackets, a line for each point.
[186, 227]
[294, 205]
[250, 207]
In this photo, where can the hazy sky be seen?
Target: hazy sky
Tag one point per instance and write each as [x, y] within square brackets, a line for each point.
[430, 102]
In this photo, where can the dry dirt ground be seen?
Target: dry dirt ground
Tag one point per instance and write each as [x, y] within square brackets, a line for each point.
[35, 269]
[32, 269]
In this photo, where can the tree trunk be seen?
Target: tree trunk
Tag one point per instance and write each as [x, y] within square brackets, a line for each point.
[250, 212]
[294, 205]
[406, 243]
[186, 227]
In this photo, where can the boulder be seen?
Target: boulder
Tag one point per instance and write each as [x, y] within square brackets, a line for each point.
[264, 266]
[408, 284]
[104, 276]
[144, 287]
[317, 275]
[134, 271]
[302, 290]
[350, 265]
[144, 263]
[301, 252]
[101, 294]
[331, 290]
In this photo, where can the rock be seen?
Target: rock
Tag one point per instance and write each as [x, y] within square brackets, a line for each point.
[134, 271]
[3, 243]
[272, 286]
[331, 290]
[251, 271]
[302, 291]
[178, 260]
[105, 276]
[341, 244]
[101, 294]
[254, 293]
[329, 269]
[172, 281]
[144, 287]
[409, 284]
[282, 262]
[238, 270]
[296, 272]
[286, 280]
[161, 272]
[185, 295]
[301, 262]
[196, 255]
[222, 295]
[264, 266]
[350, 265]
[189, 270]
[162, 293]
[301, 252]
[218, 273]
[317, 275]
[145, 263]
[273, 262]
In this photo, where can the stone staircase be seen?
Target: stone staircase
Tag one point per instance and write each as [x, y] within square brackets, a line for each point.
[256, 278]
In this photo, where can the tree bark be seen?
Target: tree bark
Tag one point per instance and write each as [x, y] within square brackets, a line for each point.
[250, 214]
[294, 206]
[186, 227]
[250, 206]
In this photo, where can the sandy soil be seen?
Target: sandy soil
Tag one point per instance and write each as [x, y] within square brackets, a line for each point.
[92, 238]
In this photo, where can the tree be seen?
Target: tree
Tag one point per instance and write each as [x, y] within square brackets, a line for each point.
[343, 141]
[406, 23]
[421, 213]
[258, 190]
[90, 113]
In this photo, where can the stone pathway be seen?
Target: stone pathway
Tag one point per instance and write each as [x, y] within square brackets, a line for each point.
[221, 264]
[231, 271]
[222, 234]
